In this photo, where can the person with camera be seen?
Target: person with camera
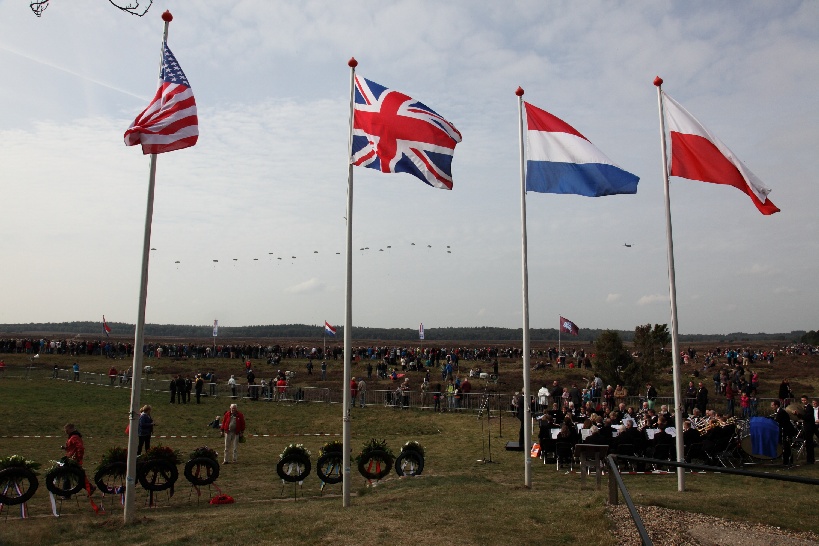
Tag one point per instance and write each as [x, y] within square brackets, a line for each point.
[786, 431]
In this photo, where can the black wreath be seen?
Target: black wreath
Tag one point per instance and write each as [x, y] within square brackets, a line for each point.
[330, 460]
[65, 480]
[195, 467]
[157, 475]
[374, 457]
[12, 477]
[410, 456]
[111, 470]
[299, 459]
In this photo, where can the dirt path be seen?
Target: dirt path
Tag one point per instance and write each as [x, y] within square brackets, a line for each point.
[675, 528]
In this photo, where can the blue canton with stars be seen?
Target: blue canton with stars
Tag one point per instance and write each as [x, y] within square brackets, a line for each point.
[171, 71]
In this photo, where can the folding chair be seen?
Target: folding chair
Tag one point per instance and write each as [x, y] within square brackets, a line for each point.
[564, 453]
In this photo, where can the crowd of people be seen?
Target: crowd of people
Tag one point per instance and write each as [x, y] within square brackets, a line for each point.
[593, 415]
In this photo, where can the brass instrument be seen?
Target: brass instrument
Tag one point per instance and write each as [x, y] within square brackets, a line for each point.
[795, 411]
[705, 426]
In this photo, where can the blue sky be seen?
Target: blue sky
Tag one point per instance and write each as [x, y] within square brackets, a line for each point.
[267, 179]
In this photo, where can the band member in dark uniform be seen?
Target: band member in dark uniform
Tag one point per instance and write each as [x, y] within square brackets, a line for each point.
[809, 421]
[786, 431]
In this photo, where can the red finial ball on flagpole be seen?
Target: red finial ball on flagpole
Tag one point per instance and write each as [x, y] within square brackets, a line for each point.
[167, 17]
[352, 63]
[519, 91]
[658, 81]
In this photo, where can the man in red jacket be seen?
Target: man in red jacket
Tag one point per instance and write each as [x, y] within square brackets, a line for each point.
[233, 428]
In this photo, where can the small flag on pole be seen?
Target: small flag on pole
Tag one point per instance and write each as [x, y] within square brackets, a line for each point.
[329, 330]
[568, 326]
[105, 328]
[697, 154]
[169, 122]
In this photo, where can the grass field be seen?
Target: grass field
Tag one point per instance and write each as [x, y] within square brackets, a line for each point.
[456, 500]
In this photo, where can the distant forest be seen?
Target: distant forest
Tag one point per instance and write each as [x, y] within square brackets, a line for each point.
[306, 331]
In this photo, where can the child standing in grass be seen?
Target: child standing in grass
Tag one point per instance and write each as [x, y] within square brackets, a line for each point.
[745, 404]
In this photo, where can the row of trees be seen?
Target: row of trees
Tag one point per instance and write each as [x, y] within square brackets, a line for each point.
[633, 369]
[811, 338]
[308, 331]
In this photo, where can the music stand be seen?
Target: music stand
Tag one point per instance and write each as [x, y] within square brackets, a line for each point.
[485, 407]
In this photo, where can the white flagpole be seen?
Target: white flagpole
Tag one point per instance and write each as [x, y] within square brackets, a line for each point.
[672, 288]
[348, 304]
[136, 377]
[527, 408]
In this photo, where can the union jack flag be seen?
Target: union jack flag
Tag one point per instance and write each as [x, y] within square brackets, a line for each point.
[169, 122]
[394, 133]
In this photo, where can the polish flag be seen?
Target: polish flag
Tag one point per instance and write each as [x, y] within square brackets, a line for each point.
[697, 154]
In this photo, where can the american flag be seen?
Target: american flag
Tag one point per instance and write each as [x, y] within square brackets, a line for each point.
[394, 133]
[169, 123]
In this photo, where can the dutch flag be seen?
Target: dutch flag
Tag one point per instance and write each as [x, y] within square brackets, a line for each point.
[561, 160]
[329, 330]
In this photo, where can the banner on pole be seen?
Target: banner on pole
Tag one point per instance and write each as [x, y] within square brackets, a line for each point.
[421, 331]
[215, 328]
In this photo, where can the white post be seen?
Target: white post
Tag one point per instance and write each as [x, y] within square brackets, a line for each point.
[136, 377]
[527, 408]
[672, 288]
[348, 304]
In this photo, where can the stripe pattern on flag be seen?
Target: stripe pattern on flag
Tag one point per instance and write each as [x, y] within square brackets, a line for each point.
[561, 160]
[394, 133]
[697, 154]
[170, 121]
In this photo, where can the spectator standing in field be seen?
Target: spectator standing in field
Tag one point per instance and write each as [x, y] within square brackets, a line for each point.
[702, 398]
[651, 395]
[172, 387]
[198, 386]
[232, 385]
[145, 428]
[233, 428]
[112, 375]
[353, 391]
[785, 393]
[76, 368]
[466, 388]
[362, 392]
[324, 370]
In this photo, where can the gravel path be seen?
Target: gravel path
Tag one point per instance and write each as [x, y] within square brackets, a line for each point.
[675, 528]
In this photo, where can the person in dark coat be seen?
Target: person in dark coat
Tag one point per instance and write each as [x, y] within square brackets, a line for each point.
[172, 388]
[786, 431]
[702, 398]
[809, 428]
[180, 389]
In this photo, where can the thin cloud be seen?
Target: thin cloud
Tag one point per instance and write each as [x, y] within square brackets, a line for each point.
[613, 298]
[652, 299]
[310, 286]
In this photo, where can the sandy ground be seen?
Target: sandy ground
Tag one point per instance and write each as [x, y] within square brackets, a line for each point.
[673, 528]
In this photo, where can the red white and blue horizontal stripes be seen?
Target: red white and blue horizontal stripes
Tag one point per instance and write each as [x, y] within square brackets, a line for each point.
[561, 160]
[170, 121]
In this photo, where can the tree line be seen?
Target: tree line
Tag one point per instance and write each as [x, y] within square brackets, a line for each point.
[316, 331]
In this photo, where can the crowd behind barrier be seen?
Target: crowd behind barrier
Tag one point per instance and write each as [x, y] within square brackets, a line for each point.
[377, 396]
